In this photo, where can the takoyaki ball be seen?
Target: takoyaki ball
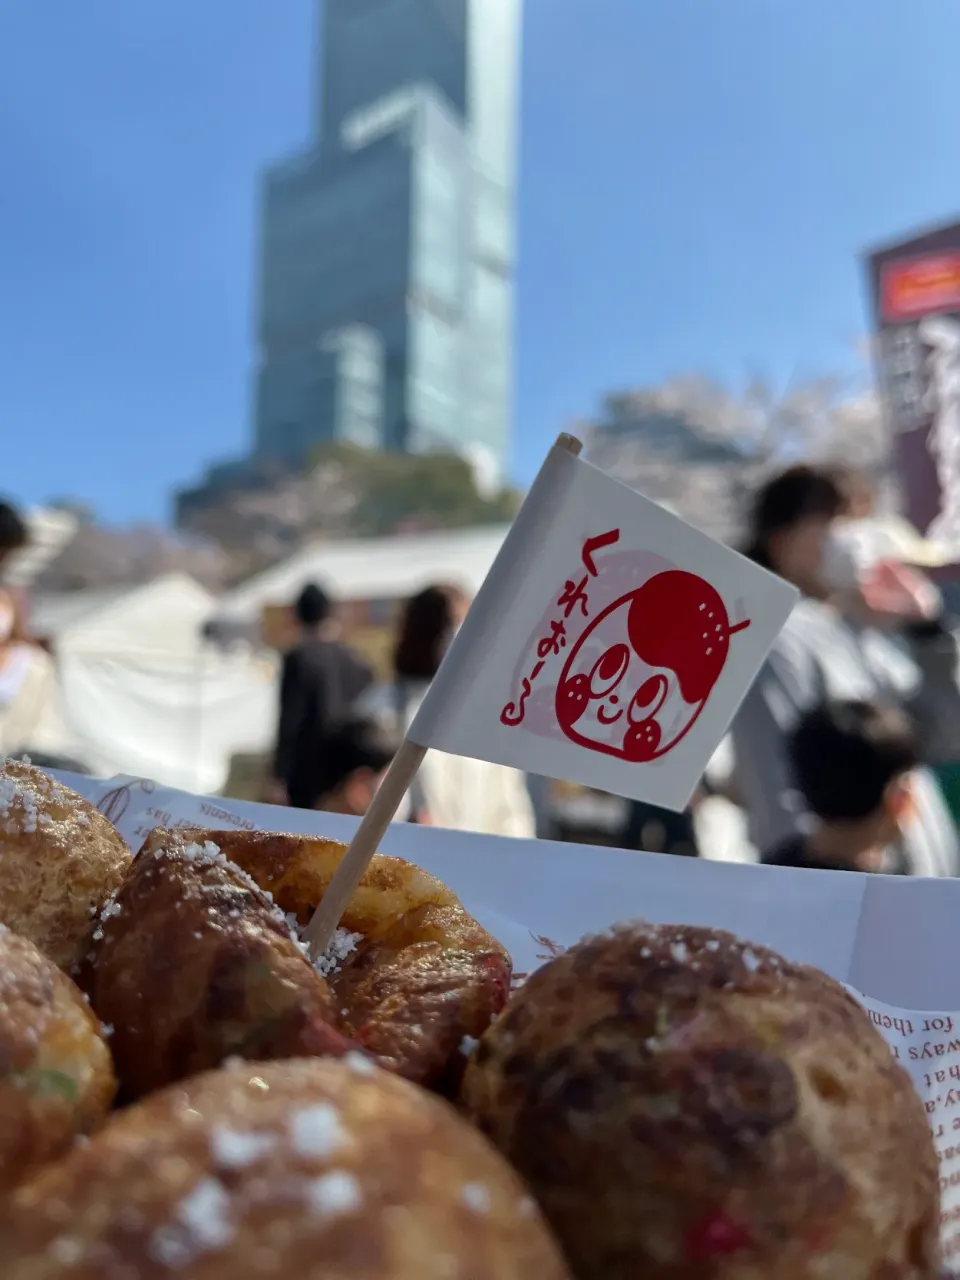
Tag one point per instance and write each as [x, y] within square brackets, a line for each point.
[689, 1107]
[413, 974]
[56, 1077]
[192, 964]
[318, 1170]
[60, 859]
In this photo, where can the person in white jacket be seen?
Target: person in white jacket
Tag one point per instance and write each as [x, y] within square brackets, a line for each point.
[27, 676]
[451, 791]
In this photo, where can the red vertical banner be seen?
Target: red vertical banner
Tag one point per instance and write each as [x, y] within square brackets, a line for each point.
[915, 300]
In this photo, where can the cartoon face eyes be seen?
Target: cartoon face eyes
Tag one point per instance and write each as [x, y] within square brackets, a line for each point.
[572, 698]
[642, 738]
[608, 670]
[641, 706]
[641, 741]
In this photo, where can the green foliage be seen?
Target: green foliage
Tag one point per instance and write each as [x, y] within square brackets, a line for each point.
[405, 491]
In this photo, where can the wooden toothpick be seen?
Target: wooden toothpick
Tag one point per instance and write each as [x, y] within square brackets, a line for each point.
[396, 782]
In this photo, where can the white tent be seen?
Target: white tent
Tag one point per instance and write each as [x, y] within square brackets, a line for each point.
[141, 692]
[164, 617]
[372, 568]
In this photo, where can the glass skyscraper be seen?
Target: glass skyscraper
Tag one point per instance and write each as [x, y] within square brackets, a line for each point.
[387, 254]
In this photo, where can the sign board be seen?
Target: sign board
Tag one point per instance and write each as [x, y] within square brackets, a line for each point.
[915, 302]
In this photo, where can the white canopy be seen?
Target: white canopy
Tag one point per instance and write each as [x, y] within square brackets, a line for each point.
[142, 693]
[372, 568]
[164, 618]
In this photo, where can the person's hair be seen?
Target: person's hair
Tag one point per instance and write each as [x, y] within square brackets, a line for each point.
[846, 754]
[425, 626]
[357, 744]
[784, 501]
[14, 533]
[313, 606]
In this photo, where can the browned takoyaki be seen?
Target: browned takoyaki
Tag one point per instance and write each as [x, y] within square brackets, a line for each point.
[192, 964]
[56, 1077]
[413, 974]
[60, 859]
[318, 1170]
[688, 1107]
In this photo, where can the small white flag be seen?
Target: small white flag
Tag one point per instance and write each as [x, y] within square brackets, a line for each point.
[610, 644]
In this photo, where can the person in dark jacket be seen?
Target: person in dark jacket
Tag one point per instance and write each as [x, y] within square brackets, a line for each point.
[852, 761]
[352, 768]
[654, 830]
[321, 681]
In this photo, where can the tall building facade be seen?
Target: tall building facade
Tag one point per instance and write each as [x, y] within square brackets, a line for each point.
[386, 289]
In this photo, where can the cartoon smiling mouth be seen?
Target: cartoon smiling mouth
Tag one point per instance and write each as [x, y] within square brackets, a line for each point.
[605, 719]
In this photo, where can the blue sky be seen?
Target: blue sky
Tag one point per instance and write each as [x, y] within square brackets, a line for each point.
[698, 179]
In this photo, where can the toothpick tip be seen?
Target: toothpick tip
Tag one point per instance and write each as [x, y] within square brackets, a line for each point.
[570, 443]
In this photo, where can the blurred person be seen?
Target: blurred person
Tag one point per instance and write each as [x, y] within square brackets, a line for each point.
[27, 675]
[451, 791]
[826, 651]
[540, 791]
[880, 563]
[880, 559]
[654, 830]
[321, 681]
[14, 537]
[853, 763]
[858, 500]
[428, 622]
[351, 767]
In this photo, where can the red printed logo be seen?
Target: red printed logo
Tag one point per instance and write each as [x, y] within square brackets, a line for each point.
[628, 657]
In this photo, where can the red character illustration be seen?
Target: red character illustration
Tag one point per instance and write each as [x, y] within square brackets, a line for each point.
[641, 673]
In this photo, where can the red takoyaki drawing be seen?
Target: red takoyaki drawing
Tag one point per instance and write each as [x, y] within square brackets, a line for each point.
[641, 673]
